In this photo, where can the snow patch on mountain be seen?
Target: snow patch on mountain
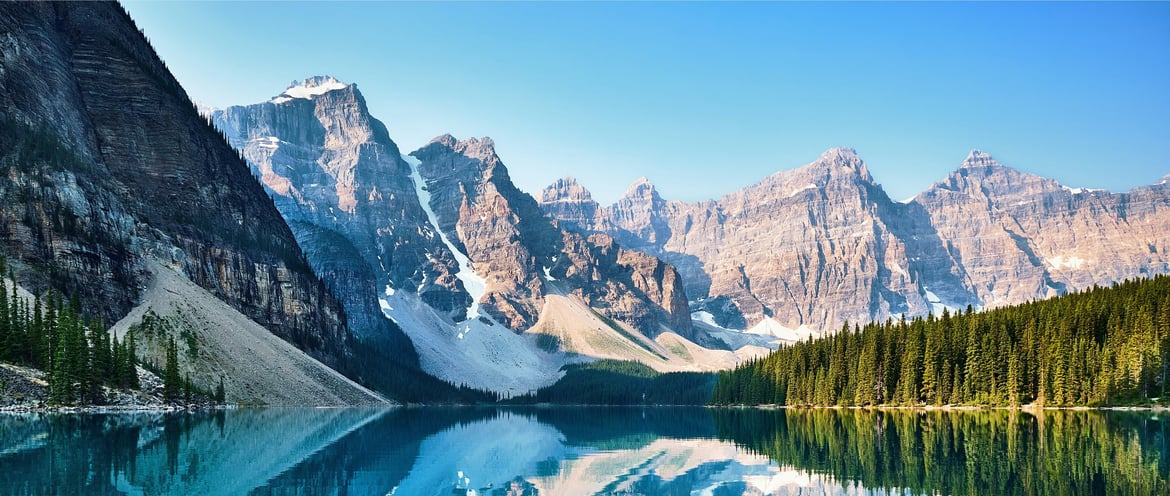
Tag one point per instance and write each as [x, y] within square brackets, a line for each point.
[797, 191]
[1080, 191]
[309, 88]
[745, 345]
[936, 304]
[475, 285]
[267, 142]
[1072, 262]
[706, 318]
[771, 327]
[478, 352]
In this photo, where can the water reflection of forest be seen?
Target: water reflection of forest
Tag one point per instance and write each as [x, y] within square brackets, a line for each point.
[307, 452]
[1000, 452]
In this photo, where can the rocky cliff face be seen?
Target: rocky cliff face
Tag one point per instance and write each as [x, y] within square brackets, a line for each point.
[823, 244]
[1018, 236]
[501, 229]
[445, 223]
[519, 252]
[343, 186]
[105, 161]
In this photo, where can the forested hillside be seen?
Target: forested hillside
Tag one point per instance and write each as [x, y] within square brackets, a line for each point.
[78, 355]
[1103, 346]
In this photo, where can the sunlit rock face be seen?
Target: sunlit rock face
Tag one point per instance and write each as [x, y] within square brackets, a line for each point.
[344, 187]
[519, 251]
[444, 222]
[823, 244]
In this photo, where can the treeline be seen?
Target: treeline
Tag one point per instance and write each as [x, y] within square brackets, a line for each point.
[1103, 346]
[79, 356]
[614, 382]
[376, 367]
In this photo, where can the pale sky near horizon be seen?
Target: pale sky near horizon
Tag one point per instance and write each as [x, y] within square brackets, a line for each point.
[706, 98]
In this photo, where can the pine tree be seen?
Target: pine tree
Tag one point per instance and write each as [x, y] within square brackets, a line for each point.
[220, 396]
[130, 360]
[5, 324]
[930, 358]
[172, 382]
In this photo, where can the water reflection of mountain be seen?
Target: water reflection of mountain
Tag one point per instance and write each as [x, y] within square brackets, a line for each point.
[154, 453]
[556, 451]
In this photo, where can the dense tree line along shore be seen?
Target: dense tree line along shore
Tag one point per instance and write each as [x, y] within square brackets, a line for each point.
[1102, 346]
[79, 356]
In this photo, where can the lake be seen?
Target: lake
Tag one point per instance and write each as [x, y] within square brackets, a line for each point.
[585, 451]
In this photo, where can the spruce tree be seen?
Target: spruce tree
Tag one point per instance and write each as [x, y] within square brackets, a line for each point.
[172, 382]
[220, 396]
[5, 345]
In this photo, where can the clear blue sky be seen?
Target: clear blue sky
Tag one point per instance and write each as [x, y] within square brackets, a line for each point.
[705, 98]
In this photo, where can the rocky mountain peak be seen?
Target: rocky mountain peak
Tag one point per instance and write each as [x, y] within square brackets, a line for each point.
[482, 149]
[570, 203]
[565, 189]
[308, 88]
[979, 158]
[840, 162]
[642, 189]
[842, 155]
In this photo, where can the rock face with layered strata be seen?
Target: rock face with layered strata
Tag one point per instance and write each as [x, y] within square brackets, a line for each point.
[823, 244]
[105, 162]
[1018, 236]
[341, 182]
[520, 252]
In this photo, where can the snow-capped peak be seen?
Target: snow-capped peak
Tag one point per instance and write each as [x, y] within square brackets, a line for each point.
[309, 88]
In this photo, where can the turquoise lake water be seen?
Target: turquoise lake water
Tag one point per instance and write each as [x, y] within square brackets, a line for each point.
[585, 451]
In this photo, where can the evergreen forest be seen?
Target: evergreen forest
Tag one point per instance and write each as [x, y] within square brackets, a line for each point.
[1101, 346]
[78, 355]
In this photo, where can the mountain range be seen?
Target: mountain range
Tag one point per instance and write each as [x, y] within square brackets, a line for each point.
[490, 291]
[823, 245]
[317, 236]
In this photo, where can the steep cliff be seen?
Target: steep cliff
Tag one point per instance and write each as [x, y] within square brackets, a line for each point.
[1018, 236]
[342, 184]
[105, 163]
[823, 244]
[518, 251]
[441, 245]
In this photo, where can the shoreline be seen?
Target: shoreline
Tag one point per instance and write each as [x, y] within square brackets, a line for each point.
[959, 408]
[21, 409]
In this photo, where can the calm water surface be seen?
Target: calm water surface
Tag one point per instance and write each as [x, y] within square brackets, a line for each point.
[586, 451]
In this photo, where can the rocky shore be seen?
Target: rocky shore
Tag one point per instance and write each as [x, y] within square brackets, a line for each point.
[24, 389]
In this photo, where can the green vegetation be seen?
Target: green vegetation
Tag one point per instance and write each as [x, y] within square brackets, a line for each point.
[1002, 452]
[1104, 346]
[614, 382]
[27, 148]
[626, 334]
[377, 368]
[79, 356]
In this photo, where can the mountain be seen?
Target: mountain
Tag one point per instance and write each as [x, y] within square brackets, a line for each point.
[1019, 236]
[441, 245]
[823, 244]
[111, 180]
[342, 185]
